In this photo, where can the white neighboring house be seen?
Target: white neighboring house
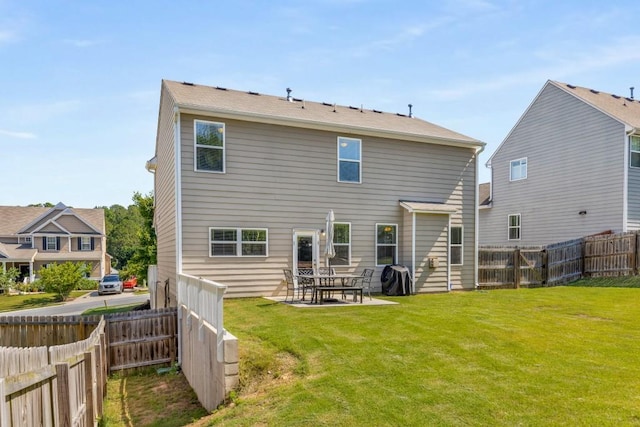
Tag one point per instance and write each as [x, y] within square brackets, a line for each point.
[244, 182]
[569, 168]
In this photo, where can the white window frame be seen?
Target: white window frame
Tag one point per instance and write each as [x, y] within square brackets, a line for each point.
[348, 264]
[518, 227]
[460, 245]
[55, 243]
[24, 239]
[395, 244]
[632, 151]
[239, 242]
[197, 146]
[85, 243]
[520, 162]
[358, 161]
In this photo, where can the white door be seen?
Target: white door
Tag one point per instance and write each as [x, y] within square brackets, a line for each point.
[306, 249]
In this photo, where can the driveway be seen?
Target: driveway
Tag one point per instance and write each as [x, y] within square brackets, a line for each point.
[79, 305]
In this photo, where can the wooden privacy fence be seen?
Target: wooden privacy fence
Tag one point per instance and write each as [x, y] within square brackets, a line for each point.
[61, 385]
[592, 256]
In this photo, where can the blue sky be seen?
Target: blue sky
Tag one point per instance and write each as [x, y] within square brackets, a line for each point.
[80, 80]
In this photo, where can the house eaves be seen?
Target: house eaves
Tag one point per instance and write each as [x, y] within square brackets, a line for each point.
[253, 107]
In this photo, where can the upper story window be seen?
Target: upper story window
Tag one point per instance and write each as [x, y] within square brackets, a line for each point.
[518, 169]
[51, 243]
[85, 243]
[514, 226]
[238, 242]
[24, 239]
[386, 244]
[349, 160]
[341, 244]
[209, 146]
[455, 245]
[634, 145]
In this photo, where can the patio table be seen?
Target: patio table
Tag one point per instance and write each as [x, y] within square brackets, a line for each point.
[319, 288]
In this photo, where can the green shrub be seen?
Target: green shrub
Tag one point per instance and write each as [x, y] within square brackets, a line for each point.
[61, 279]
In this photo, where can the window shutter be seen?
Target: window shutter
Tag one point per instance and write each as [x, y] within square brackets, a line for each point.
[57, 243]
[44, 243]
[79, 243]
[93, 246]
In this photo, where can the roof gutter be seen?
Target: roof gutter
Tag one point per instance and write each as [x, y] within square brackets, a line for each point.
[310, 124]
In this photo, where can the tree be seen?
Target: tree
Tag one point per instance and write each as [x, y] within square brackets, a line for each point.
[122, 227]
[145, 253]
[8, 278]
[61, 279]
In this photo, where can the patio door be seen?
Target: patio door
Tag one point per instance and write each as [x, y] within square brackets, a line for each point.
[306, 249]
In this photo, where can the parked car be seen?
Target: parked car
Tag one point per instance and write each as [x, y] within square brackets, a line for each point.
[130, 283]
[110, 284]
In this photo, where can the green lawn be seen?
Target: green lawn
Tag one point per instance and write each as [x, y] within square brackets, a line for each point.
[36, 300]
[548, 356]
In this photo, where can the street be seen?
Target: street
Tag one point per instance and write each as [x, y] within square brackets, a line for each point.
[79, 305]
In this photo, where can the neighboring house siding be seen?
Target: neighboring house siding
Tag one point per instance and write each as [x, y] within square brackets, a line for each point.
[284, 178]
[574, 163]
[633, 197]
[165, 195]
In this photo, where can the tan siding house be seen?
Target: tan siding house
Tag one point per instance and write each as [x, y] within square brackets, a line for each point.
[244, 183]
[569, 168]
[33, 237]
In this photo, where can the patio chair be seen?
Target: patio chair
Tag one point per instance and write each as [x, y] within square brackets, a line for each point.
[364, 281]
[305, 284]
[291, 284]
[327, 271]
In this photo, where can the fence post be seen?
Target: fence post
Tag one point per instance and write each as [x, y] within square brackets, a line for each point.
[100, 378]
[89, 378]
[4, 407]
[62, 392]
[516, 268]
[545, 267]
[635, 254]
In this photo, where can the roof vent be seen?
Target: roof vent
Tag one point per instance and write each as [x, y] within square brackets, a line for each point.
[253, 93]
[377, 111]
[221, 88]
[289, 98]
[594, 91]
[615, 96]
[571, 86]
[410, 110]
[631, 89]
[188, 84]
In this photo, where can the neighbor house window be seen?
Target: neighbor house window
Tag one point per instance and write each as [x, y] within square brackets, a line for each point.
[86, 244]
[349, 160]
[514, 227]
[209, 146]
[634, 145]
[238, 241]
[24, 239]
[455, 245]
[51, 243]
[386, 244]
[341, 244]
[518, 169]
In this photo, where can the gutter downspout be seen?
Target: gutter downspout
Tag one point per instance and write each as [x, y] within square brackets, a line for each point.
[629, 131]
[413, 252]
[178, 201]
[477, 218]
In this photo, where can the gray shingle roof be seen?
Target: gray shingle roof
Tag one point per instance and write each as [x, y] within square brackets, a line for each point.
[624, 109]
[14, 218]
[301, 113]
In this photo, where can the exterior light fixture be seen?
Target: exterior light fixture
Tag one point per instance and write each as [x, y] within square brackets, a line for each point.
[582, 213]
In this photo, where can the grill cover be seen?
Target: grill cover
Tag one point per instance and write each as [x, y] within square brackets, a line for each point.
[396, 280]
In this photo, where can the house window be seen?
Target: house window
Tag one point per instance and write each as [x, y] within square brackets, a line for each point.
[634, 145]
[349, 160]
[514, 227]
[455, 245]
[51, 243]
[518, 169]
[386, 244]
[24, 239]
[209, 146]
[85, 244]
[341, 244]
[238, 242]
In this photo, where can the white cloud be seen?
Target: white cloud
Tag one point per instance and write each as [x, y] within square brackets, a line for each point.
[17, 135]
[561, 65]
[82, 43]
